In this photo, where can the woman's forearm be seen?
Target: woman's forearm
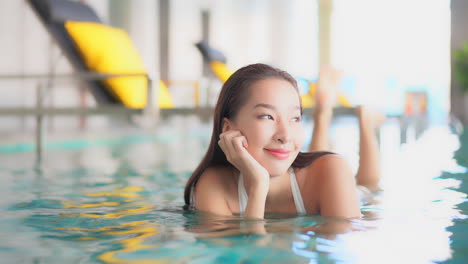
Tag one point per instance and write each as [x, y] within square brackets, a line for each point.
[256, 204]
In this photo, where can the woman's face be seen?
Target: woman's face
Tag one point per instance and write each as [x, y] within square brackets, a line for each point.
[271, 122]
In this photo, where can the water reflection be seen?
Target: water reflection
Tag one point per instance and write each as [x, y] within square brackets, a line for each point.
[128, 209]
[117, 221]
[299, 239]
[121, 225]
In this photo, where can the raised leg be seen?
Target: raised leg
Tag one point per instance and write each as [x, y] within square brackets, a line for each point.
[323, 110]
[323, 114]
[369, 173]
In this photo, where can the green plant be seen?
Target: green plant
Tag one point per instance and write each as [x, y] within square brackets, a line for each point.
[461, 67]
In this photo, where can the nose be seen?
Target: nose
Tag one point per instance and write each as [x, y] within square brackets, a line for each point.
[283, 132]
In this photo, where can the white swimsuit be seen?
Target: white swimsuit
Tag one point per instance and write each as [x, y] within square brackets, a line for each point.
[243, 198]
[363, 193]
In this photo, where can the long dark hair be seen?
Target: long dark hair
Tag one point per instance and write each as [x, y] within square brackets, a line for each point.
[233, 95]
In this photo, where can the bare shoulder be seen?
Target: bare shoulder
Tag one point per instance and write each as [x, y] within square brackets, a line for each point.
[336, 187]
[332, 162]
[329, 169]
[216, 176]
[330, 187]
[323, 167]
[212, 190]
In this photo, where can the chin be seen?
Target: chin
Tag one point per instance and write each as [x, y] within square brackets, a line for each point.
[277, 168]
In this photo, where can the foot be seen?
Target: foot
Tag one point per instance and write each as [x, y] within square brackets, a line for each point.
[329, 79]
[369, 117]
[327, 90]
[323, 104]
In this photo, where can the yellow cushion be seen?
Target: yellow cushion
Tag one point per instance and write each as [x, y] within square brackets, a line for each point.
[220, 70]
[110, 50]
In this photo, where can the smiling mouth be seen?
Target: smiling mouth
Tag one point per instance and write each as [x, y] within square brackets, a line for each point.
[279, 153]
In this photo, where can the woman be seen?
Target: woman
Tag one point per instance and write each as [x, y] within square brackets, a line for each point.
[254, 165]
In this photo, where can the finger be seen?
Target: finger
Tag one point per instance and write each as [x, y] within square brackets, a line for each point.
[229, 133]
[227, 140]
[242, 151]
[225, 143]
[221, 144]
[238, 143]
[223, 147]
[229, 149]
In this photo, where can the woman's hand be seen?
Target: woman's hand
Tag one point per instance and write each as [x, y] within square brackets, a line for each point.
[234, 145]
[256, 177]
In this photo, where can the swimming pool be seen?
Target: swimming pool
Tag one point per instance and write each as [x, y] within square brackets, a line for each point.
[118, 199]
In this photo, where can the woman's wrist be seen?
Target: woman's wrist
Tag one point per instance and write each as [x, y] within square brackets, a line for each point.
[257, 180]
[256, 205]
[258, 189]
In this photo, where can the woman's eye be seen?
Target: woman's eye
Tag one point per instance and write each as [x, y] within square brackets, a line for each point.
[297, 119]
[265, 117]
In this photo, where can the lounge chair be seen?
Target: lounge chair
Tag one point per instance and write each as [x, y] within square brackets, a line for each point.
[96, 48]
[59, 17]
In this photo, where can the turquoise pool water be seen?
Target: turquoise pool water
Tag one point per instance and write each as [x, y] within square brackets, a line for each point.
[119, 200]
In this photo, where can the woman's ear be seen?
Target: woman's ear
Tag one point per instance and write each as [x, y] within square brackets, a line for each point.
[226, 125]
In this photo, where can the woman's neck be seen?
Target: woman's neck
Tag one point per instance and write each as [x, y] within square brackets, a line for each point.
[279, 193]
[278, 184]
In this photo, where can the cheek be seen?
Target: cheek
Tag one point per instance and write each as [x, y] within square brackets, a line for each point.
[257, 136]
[299, 138]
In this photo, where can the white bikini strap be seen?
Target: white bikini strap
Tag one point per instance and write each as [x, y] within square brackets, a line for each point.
[300, 208]
[298, 202]
[243, 197]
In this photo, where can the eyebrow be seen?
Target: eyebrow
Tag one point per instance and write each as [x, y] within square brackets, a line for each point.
[272, 107]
